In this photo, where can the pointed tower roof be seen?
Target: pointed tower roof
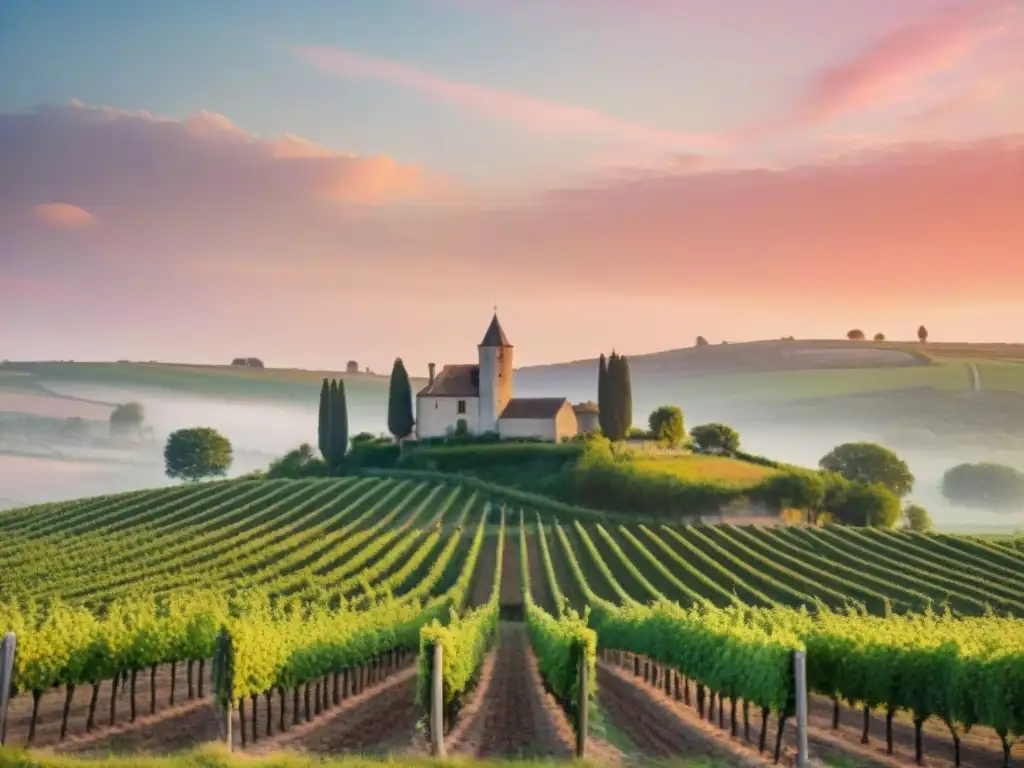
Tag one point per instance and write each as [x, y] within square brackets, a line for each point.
[495, 336]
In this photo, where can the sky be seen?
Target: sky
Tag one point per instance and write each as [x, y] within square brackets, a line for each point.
[323, 180]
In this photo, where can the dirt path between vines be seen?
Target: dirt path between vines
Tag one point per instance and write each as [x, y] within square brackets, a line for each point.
[509, 715]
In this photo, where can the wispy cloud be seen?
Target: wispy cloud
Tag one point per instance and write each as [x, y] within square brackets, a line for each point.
[537, 115]
[63, 216]
[893, 64]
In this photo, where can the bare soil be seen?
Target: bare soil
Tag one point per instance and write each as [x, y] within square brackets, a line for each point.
[483, 575]
[509, 714]
[51, 707]
[979, 749]
[511, 569]
[381, 720]
[538, 578]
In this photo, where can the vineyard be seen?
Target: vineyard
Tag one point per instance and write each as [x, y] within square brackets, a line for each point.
[323, 602]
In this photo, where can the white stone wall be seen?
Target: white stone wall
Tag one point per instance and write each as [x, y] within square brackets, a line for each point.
[566, 423]
[495, 385]
[540, 428]
[435, 415]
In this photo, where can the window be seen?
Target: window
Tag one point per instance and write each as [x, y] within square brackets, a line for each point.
[461, 406]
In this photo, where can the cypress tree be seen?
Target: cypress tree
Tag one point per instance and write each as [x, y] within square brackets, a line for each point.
[602, 393]
[339, 424]
[400, 415]
[324, 430]
[614, 431]
[625, 396]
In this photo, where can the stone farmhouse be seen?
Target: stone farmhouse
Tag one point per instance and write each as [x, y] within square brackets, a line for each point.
[480, 395]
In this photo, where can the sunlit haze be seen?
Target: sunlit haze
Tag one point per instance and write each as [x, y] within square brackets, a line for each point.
[317, 181]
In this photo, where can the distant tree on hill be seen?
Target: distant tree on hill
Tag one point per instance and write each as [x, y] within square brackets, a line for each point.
[193, 454]
[855, 335]
[667, 426]
[870, 463]
[988, 486]
[916, 518]
[922, 334]
[352, 367]
[400, 414]
[324, 428]
[879, 337]
[715, 438]
[127, 419]
[247, 362]
[701, 341]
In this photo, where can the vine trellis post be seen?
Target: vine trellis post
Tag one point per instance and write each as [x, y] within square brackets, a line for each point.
[7, 646]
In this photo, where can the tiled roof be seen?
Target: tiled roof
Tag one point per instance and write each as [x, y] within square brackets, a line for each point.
[454, 381]
[587, 407]
[495, 336]
[533, 408]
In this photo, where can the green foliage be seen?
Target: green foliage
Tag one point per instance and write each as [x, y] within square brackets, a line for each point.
[722, 648]
[985, 485]
[870, 463]
[917, 518]
[298, 463]
[667, 427]
[196, 453]
[339, 424]
[127, 419]
[615, 398]
[400, 412]
[604, 404]
[324, 424]
[373, 453]
[464, 642]
[864, 505]
[715, 438]
[792, 490]
[563, 644]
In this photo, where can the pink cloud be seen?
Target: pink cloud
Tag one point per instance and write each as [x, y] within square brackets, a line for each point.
[545, 117]
[63, 216]
[897, 61]
[101, 159]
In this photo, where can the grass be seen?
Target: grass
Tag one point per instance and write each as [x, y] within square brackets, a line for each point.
[1002, 376]
[214, 381]
[696, 468]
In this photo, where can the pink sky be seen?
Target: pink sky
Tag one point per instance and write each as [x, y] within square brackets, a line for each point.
[886, 191]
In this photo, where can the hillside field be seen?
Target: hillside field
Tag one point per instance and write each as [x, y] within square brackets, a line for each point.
[329, 588]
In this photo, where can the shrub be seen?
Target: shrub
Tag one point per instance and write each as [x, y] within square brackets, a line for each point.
[666, 423]
[715, 438]
[193, 454]
[916, 518]
[301, 462]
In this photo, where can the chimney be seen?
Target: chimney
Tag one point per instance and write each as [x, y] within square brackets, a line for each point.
[432, 367]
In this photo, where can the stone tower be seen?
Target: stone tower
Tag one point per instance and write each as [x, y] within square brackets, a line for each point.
[495, 375]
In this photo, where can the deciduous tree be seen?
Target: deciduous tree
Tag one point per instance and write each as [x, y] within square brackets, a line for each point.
[715, 438]
[869, 505]
[916, 518]
[667, 427]
[196, 453]
[870, 463]
[127, 419]
[985, 485]
[879, 337]
[855, 335]
[922, 334]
